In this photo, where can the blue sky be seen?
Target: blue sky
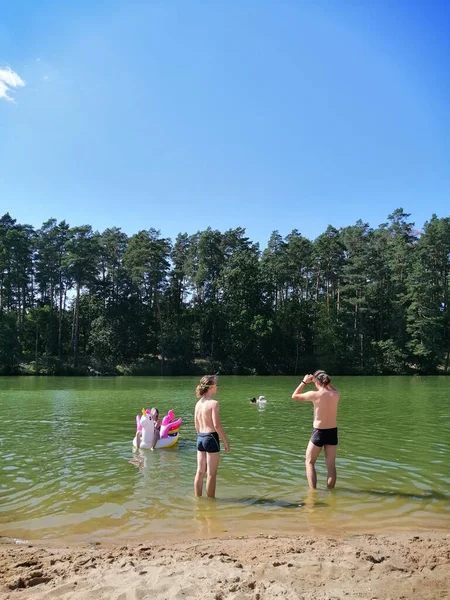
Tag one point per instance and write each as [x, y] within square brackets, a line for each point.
[180, 115]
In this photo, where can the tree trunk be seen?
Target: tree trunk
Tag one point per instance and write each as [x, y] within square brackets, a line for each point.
[104, 284]
[60, 317]
[24, 305]
[19, 317]
[328, 296]
[161, 335]
[75, 326]
[36, 359]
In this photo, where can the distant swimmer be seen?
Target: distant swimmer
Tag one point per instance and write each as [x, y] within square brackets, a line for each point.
[261, 401]
[325, 433]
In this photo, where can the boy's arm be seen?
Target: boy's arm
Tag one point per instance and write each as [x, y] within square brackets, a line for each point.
[218, 426]
[305, 397]
[301, 395]
[196, 421]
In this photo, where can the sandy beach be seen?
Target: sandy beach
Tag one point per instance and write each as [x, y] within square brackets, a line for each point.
[394, 566]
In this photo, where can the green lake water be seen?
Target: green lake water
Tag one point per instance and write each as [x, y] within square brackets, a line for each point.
[68, 470]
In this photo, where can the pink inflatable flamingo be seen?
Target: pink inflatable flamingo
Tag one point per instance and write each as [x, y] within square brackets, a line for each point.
[168, 424]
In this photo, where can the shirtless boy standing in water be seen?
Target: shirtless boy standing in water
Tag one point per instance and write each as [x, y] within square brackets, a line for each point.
[209, 429]
[325, 433]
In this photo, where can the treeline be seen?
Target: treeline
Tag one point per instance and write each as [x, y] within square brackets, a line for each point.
[354, 300]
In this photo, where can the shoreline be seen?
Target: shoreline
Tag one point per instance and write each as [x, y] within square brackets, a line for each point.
[164, 537]
[310, 567]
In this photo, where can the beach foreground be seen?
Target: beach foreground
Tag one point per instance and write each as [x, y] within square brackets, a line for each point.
[368, 566]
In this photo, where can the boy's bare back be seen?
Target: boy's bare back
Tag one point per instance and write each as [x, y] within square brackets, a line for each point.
[325, 408]
[206, 411]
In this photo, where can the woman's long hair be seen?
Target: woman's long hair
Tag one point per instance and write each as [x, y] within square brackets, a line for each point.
[322, 378]
[205, 383]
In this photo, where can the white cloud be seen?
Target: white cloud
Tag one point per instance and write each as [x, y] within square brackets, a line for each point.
[9, 80]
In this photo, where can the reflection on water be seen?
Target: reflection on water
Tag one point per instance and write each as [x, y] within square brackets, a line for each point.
[67, 467]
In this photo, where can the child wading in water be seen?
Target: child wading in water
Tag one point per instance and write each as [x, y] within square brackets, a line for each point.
[209, 429]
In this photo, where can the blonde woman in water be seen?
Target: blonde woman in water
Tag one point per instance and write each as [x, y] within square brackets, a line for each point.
[209, 430]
